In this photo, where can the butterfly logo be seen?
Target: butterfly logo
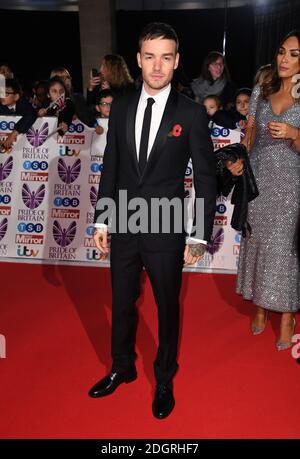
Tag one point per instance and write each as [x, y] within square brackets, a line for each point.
[32, 199]
[36, 137]
[216, 243]
[3, 228]
[5, 169]
[93, 196]
[68, 174]
[63, 236]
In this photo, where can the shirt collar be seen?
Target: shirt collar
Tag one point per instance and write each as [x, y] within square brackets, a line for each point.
[160, 98]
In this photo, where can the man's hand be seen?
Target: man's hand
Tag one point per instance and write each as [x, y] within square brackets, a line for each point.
[236, 168]
[193, 253]
[100, 238]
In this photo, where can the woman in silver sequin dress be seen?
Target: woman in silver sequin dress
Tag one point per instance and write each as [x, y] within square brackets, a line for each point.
[268, 272]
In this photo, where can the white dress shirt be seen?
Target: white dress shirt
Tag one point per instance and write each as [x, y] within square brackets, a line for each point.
[158, 109]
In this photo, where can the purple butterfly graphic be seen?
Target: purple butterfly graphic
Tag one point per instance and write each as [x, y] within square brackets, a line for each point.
[93, 196]
[36, 137]
[3, 228]
[33, 199]
[63, 236]
[216, 243]
[68, 174]
[5, 169]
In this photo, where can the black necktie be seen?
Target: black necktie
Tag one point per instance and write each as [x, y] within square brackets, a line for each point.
[145, 135]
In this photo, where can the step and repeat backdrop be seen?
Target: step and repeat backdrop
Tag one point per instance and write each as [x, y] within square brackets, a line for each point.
[48, 192]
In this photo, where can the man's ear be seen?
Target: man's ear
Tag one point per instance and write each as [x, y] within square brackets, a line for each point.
[176, 61]
[17, 97]
[138, 58]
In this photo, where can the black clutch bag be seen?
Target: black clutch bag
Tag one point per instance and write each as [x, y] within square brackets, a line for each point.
[244, 186]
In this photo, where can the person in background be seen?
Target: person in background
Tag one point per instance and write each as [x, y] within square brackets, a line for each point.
[214, 80]
[236, 117]
[14, 103]
[262, 73]
[82, 111]
[103, 107]
[40, 97]
[61, 104]
[6, 71]
[113, 74]
[212, 104]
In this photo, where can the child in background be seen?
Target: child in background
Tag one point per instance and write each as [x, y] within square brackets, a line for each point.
[212, 104]
[60, 104]
[105, 100]
[14, 103]
[236, 117]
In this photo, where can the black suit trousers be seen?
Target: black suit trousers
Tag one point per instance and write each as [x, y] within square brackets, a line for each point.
[165, 273]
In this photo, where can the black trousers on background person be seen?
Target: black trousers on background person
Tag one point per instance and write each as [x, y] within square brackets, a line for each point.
[165, 273]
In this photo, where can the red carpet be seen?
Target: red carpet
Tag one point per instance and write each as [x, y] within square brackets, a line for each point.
[56, 321]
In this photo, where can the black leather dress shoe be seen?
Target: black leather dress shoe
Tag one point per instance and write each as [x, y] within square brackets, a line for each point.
[164, 401]
[109, 383]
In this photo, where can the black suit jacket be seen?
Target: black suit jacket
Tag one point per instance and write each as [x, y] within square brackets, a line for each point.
[25, 109]
[165, 171]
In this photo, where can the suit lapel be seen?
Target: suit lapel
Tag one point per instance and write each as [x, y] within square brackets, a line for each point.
[130, 128]
[162, 134]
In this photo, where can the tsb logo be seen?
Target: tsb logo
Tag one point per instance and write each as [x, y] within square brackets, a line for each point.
[30, 227]
[95, 167]
[221, 208]
[76, 128]
[90, 230]
[220, 132]
[35, 165]
[66, 202]
[188, 171]
[5, 199]
[7, 125]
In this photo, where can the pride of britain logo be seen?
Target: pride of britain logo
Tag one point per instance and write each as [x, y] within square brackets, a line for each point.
[36, 137]
[68, 174]
[5, 169]
[64, 236]
[33, 199]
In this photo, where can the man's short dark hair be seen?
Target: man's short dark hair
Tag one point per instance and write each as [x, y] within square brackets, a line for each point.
[103, 94]
[158, 30]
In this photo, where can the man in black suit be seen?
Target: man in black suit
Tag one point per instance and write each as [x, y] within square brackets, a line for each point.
[152, 134]
[15, 104]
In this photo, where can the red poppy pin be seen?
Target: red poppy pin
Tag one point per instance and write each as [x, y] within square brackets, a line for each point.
[176, 131]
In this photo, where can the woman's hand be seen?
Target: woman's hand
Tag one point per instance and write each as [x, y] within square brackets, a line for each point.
[283, 131]
[11, 138]
[63, 127]
[105, 85]
[99, 130]
[93, 82]
[236, 168]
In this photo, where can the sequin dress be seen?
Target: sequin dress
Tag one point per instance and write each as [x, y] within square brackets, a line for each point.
[268, 272]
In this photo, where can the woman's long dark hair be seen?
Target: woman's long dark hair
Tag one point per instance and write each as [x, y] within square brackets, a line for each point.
[272, 84]
[212, 57]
